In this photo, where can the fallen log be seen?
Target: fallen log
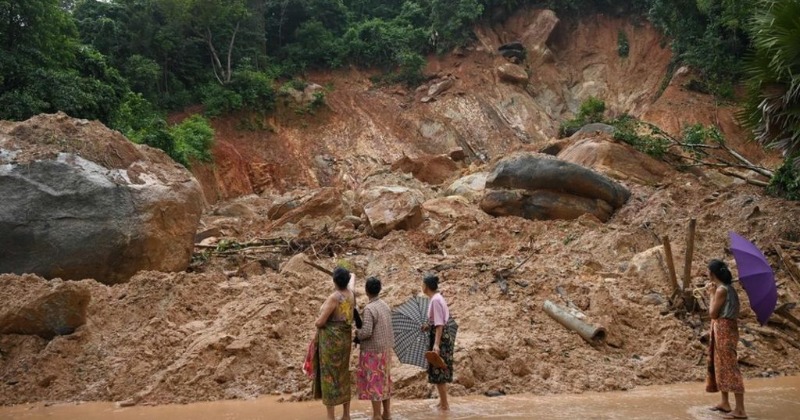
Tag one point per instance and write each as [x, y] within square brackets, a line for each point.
[788, 264]
[592, 334]
[784, 312]
[776, 334]
[319, 267]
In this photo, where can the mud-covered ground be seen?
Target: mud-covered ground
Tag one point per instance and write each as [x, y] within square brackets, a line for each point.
[232, 332]
[238, 324]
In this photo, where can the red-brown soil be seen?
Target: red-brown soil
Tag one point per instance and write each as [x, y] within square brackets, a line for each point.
[238, 328]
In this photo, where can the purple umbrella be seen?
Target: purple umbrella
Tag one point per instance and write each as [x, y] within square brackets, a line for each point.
[756, 276]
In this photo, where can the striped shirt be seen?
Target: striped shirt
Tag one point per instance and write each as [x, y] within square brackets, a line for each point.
[376, 334]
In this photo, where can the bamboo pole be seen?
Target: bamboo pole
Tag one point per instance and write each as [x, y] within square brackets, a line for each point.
[673, 277]
[592, 334]
[687, 268]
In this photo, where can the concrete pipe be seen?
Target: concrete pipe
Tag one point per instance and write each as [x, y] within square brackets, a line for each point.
[592, 334]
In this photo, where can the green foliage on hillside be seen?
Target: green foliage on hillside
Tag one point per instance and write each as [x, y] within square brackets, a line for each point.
[591, 111]
[128, 62]
[786, 182]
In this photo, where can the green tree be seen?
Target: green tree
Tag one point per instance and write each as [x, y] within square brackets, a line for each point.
[452, 20]
[44, 68]
[217, 23]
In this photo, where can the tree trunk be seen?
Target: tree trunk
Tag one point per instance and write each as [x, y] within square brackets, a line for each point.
[222, 73]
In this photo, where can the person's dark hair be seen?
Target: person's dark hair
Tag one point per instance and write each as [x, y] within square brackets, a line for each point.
[431, 281]
[372, 286]
[721, 271]
[341, 277]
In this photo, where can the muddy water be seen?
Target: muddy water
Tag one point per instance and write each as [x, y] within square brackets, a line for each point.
[777, 398]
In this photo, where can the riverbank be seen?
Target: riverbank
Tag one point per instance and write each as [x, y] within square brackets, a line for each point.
[774, 398]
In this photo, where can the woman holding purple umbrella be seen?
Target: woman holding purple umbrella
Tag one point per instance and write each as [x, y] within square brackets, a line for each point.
[723, 371]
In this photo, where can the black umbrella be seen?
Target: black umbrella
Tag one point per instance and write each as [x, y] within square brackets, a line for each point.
[411, 342]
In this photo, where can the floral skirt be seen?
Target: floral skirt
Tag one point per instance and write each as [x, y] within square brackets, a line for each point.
[374, 379]
[332, 364]
[441, 375]
[723, 369]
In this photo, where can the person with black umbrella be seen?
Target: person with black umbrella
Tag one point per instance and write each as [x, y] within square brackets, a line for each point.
[441, 341]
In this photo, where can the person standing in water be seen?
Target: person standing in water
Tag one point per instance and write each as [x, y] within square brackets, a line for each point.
[440, 339]
[374, 379]
[723, 371]
[334, 329]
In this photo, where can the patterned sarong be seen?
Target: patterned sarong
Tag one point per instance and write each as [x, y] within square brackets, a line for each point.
[723, 369]
[332, 364]
[374, 379]
[441, 375]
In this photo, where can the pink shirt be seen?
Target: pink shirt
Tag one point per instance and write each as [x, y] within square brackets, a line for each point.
[438, 313]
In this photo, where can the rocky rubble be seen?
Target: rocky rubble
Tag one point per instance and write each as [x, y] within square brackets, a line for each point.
[238, 326]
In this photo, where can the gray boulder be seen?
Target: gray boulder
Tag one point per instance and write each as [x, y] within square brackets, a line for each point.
[543, 205]
[81, 201]
[540, 187]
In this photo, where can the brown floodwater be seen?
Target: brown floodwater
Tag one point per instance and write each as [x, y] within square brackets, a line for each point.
[775, 398]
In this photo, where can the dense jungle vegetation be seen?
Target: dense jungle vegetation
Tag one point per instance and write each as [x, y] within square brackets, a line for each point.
[128, 62]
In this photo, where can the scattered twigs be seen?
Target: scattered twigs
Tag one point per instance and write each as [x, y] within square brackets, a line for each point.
[501, 276]
[323, 243]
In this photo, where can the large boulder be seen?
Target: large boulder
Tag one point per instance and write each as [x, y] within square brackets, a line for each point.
[35, 306]
[617, 160]
[325, 202]
[470, 187]
[390, 208]
[540, 187]
[543, 205]
[81, 201]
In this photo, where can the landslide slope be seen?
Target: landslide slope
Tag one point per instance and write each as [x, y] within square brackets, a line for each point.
[237, 326]
[365, 125]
